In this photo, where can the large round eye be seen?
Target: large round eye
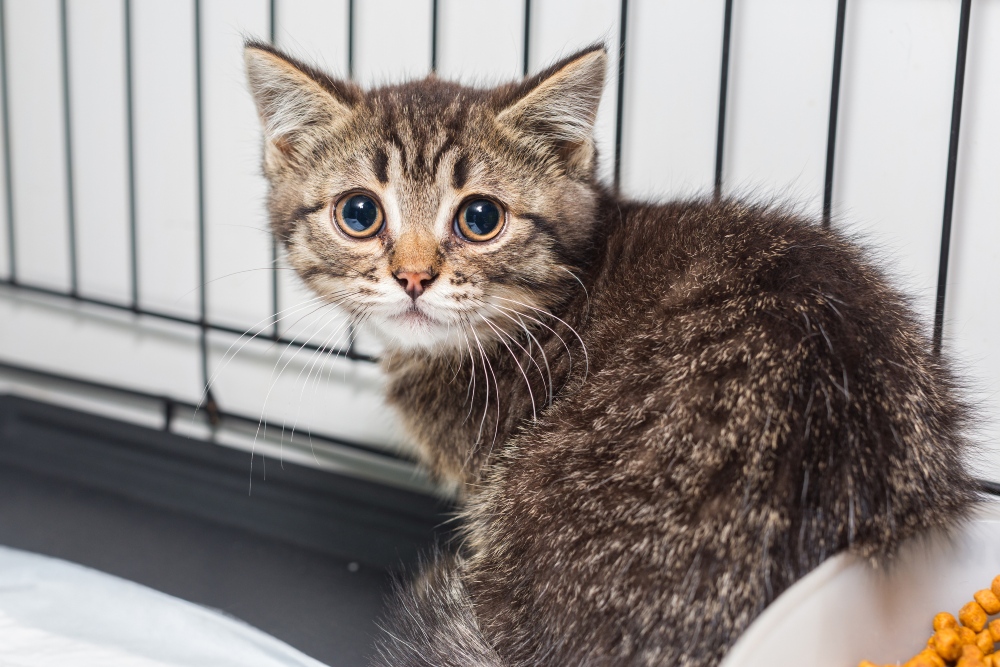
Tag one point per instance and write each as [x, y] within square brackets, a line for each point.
[480, 220]
[359, 216]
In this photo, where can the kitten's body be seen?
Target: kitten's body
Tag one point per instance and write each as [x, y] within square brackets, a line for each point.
[698, 402]
[756, 400]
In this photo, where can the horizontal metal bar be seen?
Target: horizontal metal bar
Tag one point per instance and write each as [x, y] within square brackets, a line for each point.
[337, 352]
[175, 403]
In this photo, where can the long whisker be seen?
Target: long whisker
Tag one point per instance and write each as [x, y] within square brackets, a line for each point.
[585, 292]
[583, 345]
[482, 357]
[230, 275]
[472, 379]
[496, 427]
[311, 364]
[531, 337]
[569, 351]
[295, 309]
[527, 383]
[274, 382]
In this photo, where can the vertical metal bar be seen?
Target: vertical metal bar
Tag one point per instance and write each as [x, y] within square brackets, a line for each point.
[619, 114]
[350, 39]
[831, 136]
[130, 157]
[720, 136]
[74, 275]
[527, 37]
[351, 17]
[8, 178]
[434, 35]
[949, 188]
[168, 413]
[275, 333]
[200, 166]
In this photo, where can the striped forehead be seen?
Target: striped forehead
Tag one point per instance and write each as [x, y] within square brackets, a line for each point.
[421, 157]
[421, 141]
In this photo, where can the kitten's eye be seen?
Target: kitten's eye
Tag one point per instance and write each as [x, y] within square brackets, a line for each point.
[480, 220]
[359, 216]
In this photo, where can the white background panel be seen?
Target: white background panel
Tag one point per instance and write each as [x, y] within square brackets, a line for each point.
[779, 99]
[166, 181]
[158, 358]
[671, 106]
[100, 172]
[314, 31]
[889, 182]
[892, 144]
[34, 80]
[972, 318]
[392, 40]
[4, 246]
[561, 27]
[481, 41]
[238, 245]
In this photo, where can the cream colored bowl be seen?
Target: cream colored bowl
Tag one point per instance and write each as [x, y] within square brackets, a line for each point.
[846, 611]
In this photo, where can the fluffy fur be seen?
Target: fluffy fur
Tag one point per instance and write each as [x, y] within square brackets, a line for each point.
[660, 416]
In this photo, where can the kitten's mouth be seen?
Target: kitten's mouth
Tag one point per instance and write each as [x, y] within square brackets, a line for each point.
[415, 317]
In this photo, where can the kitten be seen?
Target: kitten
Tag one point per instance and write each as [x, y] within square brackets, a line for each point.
[660, 415]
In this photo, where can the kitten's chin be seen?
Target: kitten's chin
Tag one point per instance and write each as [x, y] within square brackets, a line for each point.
[414, 330]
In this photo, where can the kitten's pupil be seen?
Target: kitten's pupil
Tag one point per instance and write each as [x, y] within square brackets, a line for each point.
[360, 213]
[482, 217]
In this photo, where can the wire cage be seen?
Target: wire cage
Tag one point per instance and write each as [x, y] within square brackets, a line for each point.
[629, 39]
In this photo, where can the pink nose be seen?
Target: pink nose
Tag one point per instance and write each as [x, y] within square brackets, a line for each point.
[414, 282]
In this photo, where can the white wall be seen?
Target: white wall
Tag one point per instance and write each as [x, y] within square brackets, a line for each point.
[899, 58]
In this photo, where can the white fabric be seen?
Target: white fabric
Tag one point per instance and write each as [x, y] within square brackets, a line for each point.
[59, 614]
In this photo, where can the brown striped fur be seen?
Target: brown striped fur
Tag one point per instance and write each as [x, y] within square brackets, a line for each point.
[660, 415]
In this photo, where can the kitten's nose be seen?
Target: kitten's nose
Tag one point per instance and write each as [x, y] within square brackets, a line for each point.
[414, 282]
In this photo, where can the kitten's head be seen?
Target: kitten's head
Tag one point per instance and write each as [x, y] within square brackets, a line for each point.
[441, 213]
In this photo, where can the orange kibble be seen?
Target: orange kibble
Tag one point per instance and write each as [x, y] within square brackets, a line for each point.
[931, 657]
[966, 636]
[972, 651]
[947, 644]
[972, 616]
[995, 630]
[970, 662]
[944, 620]
[984, 641]
[969, 640]
[988, 600]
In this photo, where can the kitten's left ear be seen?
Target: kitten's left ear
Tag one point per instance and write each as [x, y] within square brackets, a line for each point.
[295, 102]
[556, 108]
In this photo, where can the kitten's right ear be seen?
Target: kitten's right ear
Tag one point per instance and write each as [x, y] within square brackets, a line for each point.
[556, 109]
[293, 99]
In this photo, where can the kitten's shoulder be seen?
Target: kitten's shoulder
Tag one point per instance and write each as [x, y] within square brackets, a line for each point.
[734, 246]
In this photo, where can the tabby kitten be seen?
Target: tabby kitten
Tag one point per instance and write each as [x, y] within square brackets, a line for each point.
[660, 415]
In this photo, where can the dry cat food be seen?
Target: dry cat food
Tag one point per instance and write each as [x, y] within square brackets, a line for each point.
[969, 641]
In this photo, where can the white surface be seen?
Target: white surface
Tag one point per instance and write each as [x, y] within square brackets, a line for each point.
[56, 614]
[846, 611]
[899, 58]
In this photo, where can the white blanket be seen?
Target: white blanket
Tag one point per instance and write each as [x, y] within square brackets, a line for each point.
[58, 614]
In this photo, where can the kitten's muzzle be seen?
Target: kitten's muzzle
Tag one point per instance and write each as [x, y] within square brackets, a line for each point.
[414, 283]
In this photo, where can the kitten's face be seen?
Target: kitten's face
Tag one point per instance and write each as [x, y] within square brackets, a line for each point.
[443, 215]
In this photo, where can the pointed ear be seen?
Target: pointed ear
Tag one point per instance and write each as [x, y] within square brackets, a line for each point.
[557, 108]
[294, 101]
